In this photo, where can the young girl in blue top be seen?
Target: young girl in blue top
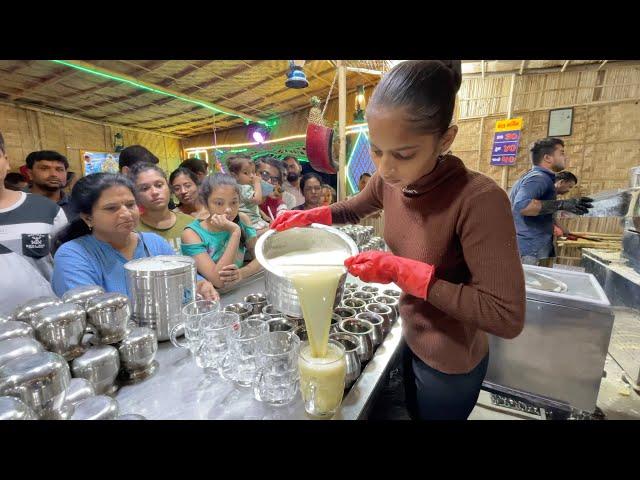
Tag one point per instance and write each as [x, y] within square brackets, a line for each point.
[94, 248]
[218, 244]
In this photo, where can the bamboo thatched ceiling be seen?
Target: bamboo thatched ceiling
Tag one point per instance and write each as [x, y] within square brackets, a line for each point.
[247, 90]
[254, 89]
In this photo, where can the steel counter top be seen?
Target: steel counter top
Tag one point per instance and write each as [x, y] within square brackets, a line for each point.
[180, 390]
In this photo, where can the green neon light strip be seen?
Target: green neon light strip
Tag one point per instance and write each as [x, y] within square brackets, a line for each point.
[154, 90]
[353, 150]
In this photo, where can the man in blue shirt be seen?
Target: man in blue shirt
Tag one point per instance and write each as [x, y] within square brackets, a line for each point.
[533, 201]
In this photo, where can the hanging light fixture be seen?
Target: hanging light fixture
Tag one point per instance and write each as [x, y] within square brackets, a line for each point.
[358, 116]
[296, 77]
[258, 133]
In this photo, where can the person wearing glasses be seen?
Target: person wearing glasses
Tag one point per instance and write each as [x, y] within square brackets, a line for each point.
[271, 171]
[311, 187]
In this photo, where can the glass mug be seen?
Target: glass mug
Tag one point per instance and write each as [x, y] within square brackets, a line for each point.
[239, 363]
[216, 331]
[276, 379]
[322, 379]
[192, 315]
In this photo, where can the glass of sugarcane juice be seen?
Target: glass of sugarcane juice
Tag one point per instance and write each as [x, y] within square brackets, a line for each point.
[322, 378]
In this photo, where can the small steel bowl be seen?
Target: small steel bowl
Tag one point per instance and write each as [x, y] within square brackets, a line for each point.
[241, 308]
[260, 316]
[281, 325]
[364, 296]
[345, 312]
[363, 331]
[257, 301]
[100, 365]
[354, 367]
[355, 304]
[12, 408]
[18, 347]
[100, 407]
[271, 311]
[378, 326]
[391, 293]
[369, 289]
[392, 302]
[79, 389]
[385, 311]
[27, 311]
[15, 328]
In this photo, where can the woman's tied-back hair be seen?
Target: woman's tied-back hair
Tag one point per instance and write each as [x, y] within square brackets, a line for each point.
[425, 88]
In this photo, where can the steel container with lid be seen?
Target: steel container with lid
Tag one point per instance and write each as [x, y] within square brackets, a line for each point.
[15, 328]
[159, 287]
[40, 380]
[60, 329]
[280, 291]
[28, 310]
[108, 314]
[18, 347]
[81, 295]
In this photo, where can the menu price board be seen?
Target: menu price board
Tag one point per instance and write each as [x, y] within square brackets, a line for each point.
[506, 140]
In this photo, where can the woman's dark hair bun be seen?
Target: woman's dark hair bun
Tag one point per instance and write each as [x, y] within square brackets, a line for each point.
[456, 69]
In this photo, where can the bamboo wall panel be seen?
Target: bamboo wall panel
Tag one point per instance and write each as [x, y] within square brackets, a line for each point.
[26, 130]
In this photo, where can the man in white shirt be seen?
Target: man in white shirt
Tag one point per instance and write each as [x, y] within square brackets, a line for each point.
[292, 185]
[28, 222]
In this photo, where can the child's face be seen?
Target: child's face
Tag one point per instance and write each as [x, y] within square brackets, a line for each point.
[246, 173]
[224, 200]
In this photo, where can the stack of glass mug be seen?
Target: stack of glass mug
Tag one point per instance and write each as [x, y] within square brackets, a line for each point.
[262, 352]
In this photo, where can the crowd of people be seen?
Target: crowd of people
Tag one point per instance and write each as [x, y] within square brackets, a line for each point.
[58, 231]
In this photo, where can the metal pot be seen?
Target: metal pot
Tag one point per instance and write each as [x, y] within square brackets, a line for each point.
[363, 331]
[18, 347]
[350, 344]
[257, 301]
[385, 311]
[377, 322]
[241, 308]
[100, 407]
[390, 301]
[81, 295]
[40, 380]
[355, 303]
[15, 328]
[100, 365]
[279, 289]
[138, 349]
[12, 408]
[108, 314]
[27, 311]
[79, 389]
[159, 287]
[60, 329]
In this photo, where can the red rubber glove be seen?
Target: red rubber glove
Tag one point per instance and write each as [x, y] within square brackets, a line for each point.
[302, 218]
[411, 276]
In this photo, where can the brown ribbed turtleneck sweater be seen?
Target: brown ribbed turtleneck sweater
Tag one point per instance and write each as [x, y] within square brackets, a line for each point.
[459, 221]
